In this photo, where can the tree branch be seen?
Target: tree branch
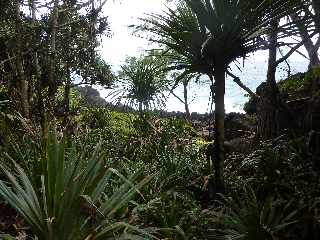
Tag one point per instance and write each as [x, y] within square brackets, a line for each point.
[241, 84]
[14, 57]
[294, 49]
[175, 95]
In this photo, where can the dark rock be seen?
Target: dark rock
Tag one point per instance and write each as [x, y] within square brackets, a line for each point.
[237, 126]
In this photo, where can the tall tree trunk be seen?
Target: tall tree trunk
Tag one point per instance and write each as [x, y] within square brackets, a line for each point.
[22, 82]
[219, 76]
[272, 66]
[141, 110]
[52, 54]
[185, 95]
[67, 89]
[68, 131]
[313, 54]
[268, 105]
[38, 72]
[308, 44]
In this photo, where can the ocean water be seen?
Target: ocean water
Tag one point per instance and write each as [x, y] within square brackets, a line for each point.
[252, 73]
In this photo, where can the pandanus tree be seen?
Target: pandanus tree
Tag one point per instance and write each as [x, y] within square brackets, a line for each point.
[141, 83]
[210, 35]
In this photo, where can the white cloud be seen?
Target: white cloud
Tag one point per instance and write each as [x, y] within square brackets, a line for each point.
[121, 15]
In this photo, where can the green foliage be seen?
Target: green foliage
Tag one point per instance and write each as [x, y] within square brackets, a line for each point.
[163, 147]
[246, 218]
[202, 36]
[114, 129]
[250, 107]
[293, 84]
[69, 202]
[6, 237]
[74, 192]
[235, 26]
[284, 168]
[75, 100]
[3, 93]
[287, 170]
[95, 118]
[14, 129]
[141, 83]
[47, 58]
[312, 74]
[301, 81]
[172, 213]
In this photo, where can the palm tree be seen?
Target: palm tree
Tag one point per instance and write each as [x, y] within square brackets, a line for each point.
[141, 83]
[211, 34]
[235, 29]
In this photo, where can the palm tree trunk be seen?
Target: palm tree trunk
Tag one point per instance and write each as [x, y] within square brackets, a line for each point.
[141, 110]
[186, 105]
[22, 82]
[219, 76]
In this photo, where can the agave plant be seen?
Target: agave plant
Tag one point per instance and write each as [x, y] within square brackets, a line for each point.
[70, 201]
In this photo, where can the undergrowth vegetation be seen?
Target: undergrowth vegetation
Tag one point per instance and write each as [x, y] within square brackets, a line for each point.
[121, 176]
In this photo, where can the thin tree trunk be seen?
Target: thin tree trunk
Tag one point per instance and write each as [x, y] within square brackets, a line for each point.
[67, 89]
[183, 101]
[219, 130]
[66, 119]
[52, 66]
[272, 66]
[22, 82]
[38, 73]
[67, 86]
[186, 105]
